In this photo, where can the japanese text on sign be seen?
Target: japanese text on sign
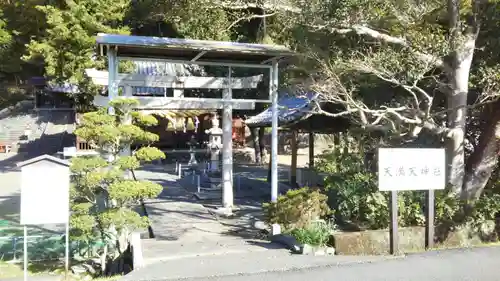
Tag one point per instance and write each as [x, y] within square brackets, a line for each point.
[411, 169]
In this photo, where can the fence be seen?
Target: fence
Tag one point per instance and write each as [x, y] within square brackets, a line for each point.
[43, 247]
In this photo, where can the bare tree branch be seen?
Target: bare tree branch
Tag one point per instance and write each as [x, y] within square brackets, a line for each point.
[405, 120]
[370, 32]
[254, 16]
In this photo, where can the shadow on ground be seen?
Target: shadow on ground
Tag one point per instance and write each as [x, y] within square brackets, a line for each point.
[46, 144]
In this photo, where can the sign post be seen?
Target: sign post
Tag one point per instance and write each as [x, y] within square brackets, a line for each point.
[44, 197]
[429, 220]
[404, 169]
[393, 228]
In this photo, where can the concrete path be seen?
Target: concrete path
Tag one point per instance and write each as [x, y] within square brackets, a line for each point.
[204, 267]
[478, 264]
[183, 227]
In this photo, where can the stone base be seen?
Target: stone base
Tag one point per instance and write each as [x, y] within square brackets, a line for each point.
[411, 239]
[275, 229]
[376, 242]
[224, 212]
[317, 251]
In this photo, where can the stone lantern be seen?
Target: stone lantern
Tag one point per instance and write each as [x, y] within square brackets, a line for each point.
[214, 144]
[192, 151]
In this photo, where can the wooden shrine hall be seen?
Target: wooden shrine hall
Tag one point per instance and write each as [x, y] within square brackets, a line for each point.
[299, 114]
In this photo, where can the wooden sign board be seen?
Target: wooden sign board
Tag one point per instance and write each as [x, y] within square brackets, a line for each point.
[411, 169]
[402, 169]
[45, 184]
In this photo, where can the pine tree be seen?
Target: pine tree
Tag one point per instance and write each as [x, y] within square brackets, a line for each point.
[104, 196]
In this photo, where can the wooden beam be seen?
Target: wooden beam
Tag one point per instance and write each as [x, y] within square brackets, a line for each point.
[187, 82]
[293, 165]
[311, 150]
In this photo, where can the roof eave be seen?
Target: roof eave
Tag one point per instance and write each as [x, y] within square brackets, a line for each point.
[199, 50]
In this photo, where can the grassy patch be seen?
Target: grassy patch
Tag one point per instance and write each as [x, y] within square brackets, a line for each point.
[15, 270]
[8, 270]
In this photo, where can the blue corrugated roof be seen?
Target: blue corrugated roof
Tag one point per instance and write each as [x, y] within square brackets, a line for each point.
[291, 109]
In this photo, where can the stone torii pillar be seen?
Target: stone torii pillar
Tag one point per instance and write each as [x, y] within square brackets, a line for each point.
[227, 146]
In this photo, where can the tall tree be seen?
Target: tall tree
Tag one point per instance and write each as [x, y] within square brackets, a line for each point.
[68, 45]
[403, 68]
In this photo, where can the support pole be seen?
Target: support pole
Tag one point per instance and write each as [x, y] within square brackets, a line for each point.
[310, 172]
[112, 76]
[227, 146]
[112, 85]
[274, 133]
[429, 220]
[393, 228]
[66, 261]
[293, 165]
[25, 255]
[311, 150]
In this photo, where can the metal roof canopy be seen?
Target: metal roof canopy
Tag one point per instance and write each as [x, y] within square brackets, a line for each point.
[300, 113]
[191, 51]
[200, 52]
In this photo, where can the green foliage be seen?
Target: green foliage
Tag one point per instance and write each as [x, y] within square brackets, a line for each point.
[149, 154]
[447, 206]
[353, 194]
[479, 217]
[68, 46]
[315, 234]
[483, 214]
[297, 208]
[103, 197]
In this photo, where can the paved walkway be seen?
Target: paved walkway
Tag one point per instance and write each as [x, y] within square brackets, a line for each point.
[204, 267]
[478, 264]
[185, 228]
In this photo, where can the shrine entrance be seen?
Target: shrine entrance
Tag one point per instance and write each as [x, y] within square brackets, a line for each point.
[174, 93]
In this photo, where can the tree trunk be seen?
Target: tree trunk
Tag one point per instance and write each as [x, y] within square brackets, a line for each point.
[483, 160]
[458, 76]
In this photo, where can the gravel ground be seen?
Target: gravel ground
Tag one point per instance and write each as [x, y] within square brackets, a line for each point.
[478, 264]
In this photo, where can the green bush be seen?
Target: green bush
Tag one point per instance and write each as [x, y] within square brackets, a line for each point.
[483, 215]
[480, 217]
[411, 208]
[315, 234]
[297, 208]
[353, 194]
[354, 197]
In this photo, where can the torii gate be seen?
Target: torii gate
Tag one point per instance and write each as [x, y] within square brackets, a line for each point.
[197, 52]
